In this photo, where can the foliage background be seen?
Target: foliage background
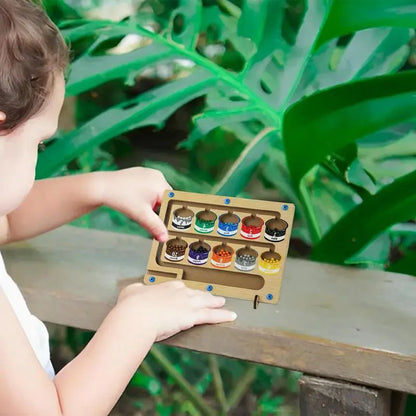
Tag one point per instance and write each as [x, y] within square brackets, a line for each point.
[309, 102]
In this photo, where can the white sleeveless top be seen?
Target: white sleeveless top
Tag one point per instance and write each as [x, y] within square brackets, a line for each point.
[34, 329]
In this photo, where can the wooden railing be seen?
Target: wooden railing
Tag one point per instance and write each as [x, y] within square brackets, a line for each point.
[342, 325]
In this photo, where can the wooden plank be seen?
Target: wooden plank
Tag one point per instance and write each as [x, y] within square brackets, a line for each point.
[398, 403]
[332, 398]
[337, 322]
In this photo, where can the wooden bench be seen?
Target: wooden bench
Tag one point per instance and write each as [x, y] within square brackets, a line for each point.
[350, 331]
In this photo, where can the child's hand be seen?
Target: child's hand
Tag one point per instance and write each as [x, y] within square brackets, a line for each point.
[136, 192]
[172, 307]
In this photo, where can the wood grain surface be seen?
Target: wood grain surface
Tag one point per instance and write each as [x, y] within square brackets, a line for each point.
[321, 397]
[338, 322]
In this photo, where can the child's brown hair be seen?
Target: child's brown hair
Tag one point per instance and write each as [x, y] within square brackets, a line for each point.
[32, 52]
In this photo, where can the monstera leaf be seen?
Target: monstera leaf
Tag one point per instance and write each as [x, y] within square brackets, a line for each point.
[278, 72]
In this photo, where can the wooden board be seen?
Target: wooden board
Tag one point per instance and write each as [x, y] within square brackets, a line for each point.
[230, 275]
[331, 398]
[338, 322]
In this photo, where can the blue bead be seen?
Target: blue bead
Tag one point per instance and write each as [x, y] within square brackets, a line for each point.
[171, 194]
[227, 201]
[152, 279]
[209, 288]
[285, 207]
[269, 296]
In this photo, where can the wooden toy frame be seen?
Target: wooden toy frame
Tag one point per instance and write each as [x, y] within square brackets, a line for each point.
[254, 285]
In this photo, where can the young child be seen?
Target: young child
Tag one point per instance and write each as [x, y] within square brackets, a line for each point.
[33, 57]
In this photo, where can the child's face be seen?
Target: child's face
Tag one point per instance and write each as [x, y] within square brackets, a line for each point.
[19, 149]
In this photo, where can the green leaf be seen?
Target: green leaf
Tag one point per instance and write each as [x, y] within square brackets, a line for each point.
[393, 204]
[178, 180]
[389, 56]
[242, 170]
[375, 254]
[266, 33]
[273, 171]
[358, 176]
[211, 119]
[243, 45]
[211, 20]
[349, 16]
[74, 30]
[88, 71]
[329, 120]
[150, 108]
[151, 384]
[267, 37]
[340, 161]
[407, 264]
[387, 160]
[185, 23]
[371, 52]
[327, 190]
[296, 60]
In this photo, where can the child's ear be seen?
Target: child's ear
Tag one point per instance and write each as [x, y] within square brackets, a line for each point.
[2, 117]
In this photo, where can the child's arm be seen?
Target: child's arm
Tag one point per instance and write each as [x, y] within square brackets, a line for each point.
[57, 201]
[92, 383]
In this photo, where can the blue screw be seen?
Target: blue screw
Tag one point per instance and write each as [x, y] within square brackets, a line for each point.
[285, 207]
[171, 194]
[152, 279]
[209, 288]
[227, 201]
[269, 296]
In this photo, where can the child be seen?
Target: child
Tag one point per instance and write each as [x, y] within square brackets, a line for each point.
[33, 57]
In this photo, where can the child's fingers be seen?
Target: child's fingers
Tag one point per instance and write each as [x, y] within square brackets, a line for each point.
[152, 223]
[206, 300]
[215, 316]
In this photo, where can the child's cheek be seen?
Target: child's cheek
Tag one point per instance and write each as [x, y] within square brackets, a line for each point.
[17, 174]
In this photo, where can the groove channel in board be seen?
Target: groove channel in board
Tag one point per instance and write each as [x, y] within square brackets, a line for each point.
[216, 238]
[228, 277]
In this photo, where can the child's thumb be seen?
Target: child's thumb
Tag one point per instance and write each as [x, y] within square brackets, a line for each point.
[152, 223]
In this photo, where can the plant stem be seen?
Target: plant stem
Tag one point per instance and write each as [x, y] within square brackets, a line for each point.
[147, 369]
[218, 385]
[228, 6]
[187, 389]
[241, 388]
[309, 212]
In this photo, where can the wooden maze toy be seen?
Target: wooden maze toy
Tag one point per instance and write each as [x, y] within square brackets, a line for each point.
[229, 246]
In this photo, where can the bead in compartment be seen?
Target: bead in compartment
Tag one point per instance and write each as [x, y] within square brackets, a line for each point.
[205, 221]
[222, 255]
[228, 224]
[245, 259]
[175, 249]
[275, 229]
[251, 227]
[269, 262]
[198, 252]
[182, 218]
